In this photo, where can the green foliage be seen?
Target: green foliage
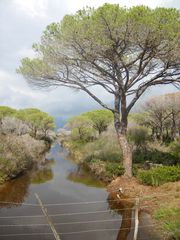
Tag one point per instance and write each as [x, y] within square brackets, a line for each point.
[100, 119]
[114, 169]
[175, 148]
[36, 120]
[159, 175]
[82, 27]
[105, 148]
[81, 127]
[85, 126]
[6, 112]
[138, 135]
[155, 156]
[170, 220]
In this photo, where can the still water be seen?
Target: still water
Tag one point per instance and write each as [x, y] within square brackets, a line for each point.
[76, 203]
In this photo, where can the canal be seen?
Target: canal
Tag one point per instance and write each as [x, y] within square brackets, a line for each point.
[76, 203]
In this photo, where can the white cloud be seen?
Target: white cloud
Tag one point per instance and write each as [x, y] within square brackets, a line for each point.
[15, 92]
[78, 4]
[33, 8]
[26, 52]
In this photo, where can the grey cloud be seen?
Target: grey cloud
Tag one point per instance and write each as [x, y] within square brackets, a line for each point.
[18, 32]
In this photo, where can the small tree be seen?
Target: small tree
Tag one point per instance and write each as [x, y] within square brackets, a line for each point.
[100, 119]
[123, 51]
[81, 127]
[6, 112]
[47, 124]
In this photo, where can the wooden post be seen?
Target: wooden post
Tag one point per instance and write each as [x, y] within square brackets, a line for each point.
[136, 219]
[44, 210]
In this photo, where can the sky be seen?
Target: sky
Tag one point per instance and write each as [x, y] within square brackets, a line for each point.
[21, 24]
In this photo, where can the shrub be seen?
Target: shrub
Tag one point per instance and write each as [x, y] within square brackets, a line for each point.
[154, 156]
[114, 169]
[175, 148]
[17, 154]
[105, 148]
[159, 175]
[138, 135]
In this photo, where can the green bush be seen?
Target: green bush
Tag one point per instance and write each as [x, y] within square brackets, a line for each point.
[114, 169]
[138, 136]
[155, 156]
[159, 175]
[175, 148]
[105, 148]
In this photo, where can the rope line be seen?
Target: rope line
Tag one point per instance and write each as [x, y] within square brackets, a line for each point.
[75, 232]
[68, 223]
[79, 203]
[63, 223]
[70, 214]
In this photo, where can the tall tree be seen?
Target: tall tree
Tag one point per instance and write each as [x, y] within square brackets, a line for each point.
[123, 51]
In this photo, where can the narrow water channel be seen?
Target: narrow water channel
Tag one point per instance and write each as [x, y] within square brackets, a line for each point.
[76, 202]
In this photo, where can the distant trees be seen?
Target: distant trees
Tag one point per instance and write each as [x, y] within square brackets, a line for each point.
[30, 120]
[81, 127]
[89, 124]
[36, 120]
[100, 119]
[5, 112]
[122, 51]
[162, 115]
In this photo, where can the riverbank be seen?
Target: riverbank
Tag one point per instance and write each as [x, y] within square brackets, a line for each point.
[102, 170]
[18, 154]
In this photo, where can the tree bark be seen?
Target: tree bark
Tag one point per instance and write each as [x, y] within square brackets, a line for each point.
[121, 130]
[173, 129]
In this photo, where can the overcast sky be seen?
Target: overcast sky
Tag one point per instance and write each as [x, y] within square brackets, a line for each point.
[21, 24]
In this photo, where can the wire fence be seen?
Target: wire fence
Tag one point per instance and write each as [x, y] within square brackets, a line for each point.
[76, 232]
[70, 214]
[75, 213]
[88, 202]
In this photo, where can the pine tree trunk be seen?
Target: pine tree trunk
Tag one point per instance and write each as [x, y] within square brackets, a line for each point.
[121, 130]
[127, 155]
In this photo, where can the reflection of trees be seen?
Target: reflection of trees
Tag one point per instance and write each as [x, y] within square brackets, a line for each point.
[42, 176]
[80, 175]
[125, 210]
[14, 191]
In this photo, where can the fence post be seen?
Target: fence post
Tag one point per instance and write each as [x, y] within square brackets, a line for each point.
[136, 219]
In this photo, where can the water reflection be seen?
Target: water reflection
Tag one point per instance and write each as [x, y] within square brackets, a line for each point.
[124, 207]
[81, 175]
[44, 174]
[14, 191]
